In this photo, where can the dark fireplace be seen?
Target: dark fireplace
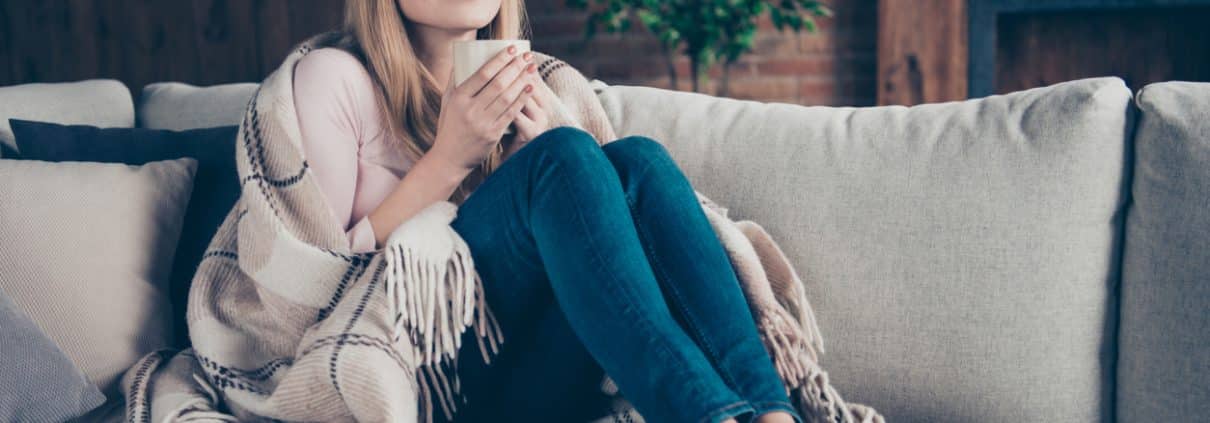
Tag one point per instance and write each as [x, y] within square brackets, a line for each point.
[1019, 44]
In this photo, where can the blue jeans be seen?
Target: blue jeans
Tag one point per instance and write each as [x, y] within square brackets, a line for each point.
[599, 260]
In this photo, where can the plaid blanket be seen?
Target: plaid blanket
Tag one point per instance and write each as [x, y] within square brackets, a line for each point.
[288, 324]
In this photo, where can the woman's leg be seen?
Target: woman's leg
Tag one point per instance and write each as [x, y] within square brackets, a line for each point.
[694, 271]
[555, 214]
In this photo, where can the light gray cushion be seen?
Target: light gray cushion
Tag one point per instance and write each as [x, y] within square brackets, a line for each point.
[177, 106]
[98, 102]
[86, 249]
[38, 383]
[961, 256]
[1164, 363]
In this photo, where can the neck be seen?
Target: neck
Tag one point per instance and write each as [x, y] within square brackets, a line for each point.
[434, 47]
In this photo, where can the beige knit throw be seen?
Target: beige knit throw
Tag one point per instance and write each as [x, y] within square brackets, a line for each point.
[288, 324]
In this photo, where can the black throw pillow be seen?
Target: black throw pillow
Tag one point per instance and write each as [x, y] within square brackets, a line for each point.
[215, 187]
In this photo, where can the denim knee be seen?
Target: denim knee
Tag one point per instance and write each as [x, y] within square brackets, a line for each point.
[566, 143]
[635, 154]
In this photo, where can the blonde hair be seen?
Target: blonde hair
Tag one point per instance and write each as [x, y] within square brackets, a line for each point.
[377, 32]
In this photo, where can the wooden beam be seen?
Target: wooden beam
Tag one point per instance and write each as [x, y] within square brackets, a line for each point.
[922, 51]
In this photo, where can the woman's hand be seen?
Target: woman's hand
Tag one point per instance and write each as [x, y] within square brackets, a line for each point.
[535, 116]
[475, 114]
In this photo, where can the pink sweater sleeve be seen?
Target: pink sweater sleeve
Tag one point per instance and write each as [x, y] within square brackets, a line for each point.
[331, 93]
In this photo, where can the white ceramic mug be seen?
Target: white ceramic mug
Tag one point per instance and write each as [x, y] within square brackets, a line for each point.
[470, 55]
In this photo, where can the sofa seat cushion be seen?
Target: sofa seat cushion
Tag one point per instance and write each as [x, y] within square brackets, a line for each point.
[101, 102]
[961, 257]
[1164, 364]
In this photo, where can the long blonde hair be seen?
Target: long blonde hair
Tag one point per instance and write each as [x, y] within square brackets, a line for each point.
[377, 31]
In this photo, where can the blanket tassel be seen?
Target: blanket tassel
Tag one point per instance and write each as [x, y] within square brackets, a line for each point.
[435, 299]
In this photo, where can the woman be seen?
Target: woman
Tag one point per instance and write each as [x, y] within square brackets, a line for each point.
[594, 258]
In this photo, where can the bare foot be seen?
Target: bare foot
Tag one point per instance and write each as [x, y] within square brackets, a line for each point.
[776, 417]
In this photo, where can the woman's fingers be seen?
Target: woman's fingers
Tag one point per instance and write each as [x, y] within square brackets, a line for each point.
[516, 69]
[510, 94]
[532, 109]
[527, 130]
[510, 113]
[543, 94]
[496, 103]
[484, 75]
[525, 125]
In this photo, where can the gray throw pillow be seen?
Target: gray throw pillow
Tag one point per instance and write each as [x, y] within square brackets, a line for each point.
[86, 250]
[37, 381]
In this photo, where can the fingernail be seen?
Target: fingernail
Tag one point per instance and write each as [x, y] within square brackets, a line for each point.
[531, 68]
[529, 88]
[512, 49]
[528, 56]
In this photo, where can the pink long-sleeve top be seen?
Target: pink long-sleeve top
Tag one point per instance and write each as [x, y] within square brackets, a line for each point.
[345, 142]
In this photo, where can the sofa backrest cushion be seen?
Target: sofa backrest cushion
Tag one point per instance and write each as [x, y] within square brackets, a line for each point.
[1164, 363]
[97, 102]
[961, 257]
[177, 106]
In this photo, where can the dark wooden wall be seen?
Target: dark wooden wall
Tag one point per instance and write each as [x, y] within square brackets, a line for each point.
[1139, 45]
[142, 41]
[206, 42]
[927, 53]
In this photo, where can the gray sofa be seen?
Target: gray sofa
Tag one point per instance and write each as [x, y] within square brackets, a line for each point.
[1041, 256]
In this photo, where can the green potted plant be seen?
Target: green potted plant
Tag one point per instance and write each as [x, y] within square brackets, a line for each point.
[708, 32]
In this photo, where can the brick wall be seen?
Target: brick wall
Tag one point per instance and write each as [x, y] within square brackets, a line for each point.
[834, 66]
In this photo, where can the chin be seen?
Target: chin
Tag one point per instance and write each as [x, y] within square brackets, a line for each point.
[454, 15]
